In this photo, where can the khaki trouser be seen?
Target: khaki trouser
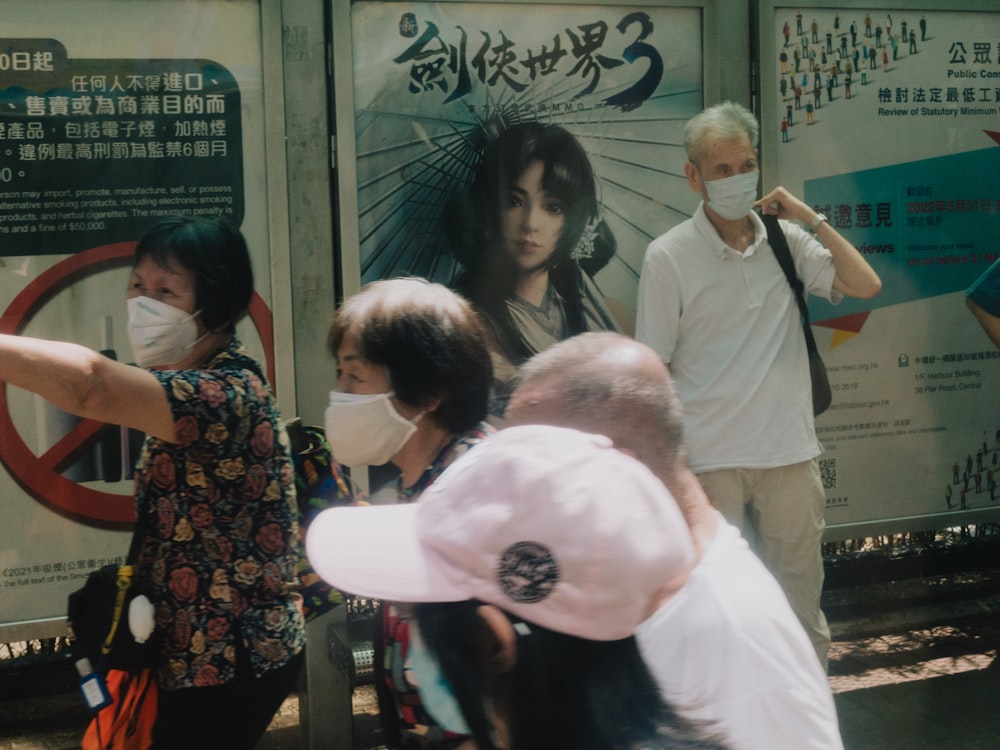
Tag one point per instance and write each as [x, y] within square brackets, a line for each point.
[780, 513]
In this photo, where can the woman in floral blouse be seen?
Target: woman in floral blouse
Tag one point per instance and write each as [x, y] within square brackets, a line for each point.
[214, 480]
[413, 383]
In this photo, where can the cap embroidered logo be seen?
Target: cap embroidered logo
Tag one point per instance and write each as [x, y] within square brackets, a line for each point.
[527, 572]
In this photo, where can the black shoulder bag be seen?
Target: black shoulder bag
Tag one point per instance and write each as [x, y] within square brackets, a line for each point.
[98, 615]
[821, 393]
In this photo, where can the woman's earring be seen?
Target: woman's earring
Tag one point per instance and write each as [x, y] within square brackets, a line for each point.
[585, 245]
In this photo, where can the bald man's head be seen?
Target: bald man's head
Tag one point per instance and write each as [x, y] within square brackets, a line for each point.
[608, 384]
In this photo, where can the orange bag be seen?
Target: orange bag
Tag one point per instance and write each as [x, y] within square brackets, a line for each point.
[127, 723]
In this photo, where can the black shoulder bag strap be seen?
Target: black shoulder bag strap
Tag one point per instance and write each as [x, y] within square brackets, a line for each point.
[138, 532]
[128, 574]
[126, 577]
[776, 238]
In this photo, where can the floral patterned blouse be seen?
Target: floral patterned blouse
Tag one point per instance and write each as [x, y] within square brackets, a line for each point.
[398, 698]
[219, 553]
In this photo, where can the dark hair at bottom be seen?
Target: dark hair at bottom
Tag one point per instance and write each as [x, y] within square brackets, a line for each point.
[565, 691]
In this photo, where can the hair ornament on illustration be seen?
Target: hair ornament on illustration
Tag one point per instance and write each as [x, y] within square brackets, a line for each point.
[584, 248]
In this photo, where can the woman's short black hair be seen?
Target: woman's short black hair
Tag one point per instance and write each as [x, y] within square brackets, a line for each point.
[216, 253]
[430, 339]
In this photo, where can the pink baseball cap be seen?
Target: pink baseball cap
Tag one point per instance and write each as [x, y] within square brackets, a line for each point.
[549, 524]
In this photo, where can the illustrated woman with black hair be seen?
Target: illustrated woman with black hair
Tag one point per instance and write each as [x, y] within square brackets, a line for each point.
[529, 237]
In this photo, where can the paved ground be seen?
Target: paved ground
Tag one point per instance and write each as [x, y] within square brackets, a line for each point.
[913, 665]
[926, 688]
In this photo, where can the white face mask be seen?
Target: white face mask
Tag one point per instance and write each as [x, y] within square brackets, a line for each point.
[366, 430]
[160, 334]
[732, 197]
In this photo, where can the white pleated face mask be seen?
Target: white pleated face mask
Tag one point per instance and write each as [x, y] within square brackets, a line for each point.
[160, 334]
[732, 198]
[366, 430]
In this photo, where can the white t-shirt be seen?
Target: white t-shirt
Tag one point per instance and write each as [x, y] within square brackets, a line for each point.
[728, 649]
[728, 326]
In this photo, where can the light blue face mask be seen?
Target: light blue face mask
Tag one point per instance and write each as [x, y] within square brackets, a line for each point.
[733, 197]
[424, 672]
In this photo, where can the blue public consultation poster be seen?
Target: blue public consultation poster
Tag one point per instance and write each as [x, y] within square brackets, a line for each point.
[887, 121]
